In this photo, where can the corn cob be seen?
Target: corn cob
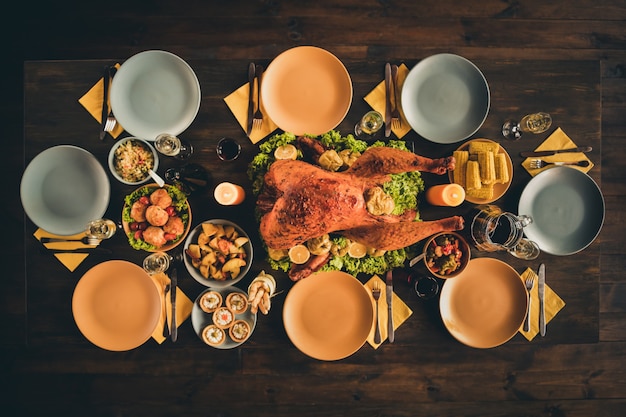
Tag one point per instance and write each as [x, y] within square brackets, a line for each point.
[483, 146]
[502, 170]
[484, 193]
[472, 176]
[460, 168]
[487, 167]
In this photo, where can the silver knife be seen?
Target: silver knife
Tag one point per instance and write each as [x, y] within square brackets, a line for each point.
[105, 106]
[542, 309]
[583, 149]
[174, 284]
[387, 99]
[251, 74]
[389, 297]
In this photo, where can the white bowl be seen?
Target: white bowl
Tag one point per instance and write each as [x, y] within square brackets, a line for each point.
[445, 98]
[64, 188]
[155, 92]
[192, 238]
[114, 171]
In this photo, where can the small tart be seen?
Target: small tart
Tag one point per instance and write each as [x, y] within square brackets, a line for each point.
[213, 335]
[237, 302]
[239, 331]
[223, 317]
[210, 301]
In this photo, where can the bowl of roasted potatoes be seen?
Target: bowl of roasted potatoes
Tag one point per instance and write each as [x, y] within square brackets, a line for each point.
[218, 253]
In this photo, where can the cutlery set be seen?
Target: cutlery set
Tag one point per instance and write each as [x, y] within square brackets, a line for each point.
[376, 291]
[392, 106]
[255, 118]
[530, 283]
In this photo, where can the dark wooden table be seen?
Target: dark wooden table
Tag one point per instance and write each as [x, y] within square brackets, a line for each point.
[424, 369]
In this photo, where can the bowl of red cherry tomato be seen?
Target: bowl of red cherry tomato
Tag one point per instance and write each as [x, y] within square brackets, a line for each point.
[446, 254]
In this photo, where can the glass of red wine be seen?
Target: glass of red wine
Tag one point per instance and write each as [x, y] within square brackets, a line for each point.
[228, 149]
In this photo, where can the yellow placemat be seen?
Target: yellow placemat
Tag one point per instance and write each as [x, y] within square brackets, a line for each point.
[558, 140]
[401, 311]
[69, 260]
[553, 304]
[183, 306]
[376, 100]
[92, 102]
[237, 102]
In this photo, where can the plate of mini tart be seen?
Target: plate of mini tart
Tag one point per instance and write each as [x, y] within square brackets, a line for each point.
[221, 317]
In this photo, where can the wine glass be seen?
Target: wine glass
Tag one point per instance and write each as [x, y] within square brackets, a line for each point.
[101, 229]
[171, 145]
[156, 262]
[369, 125]
[228, 149]
[531, 123]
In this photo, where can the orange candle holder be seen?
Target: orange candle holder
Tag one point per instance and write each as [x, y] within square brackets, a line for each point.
[229, 194]
[450, 195]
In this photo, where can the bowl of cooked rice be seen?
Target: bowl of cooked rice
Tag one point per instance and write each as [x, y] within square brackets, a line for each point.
[131, 159]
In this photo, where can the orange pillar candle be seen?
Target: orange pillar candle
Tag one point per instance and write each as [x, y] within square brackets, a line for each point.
[229, 194]
[445, 195]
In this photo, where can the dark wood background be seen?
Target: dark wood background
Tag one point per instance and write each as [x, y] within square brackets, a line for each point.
[586, 378]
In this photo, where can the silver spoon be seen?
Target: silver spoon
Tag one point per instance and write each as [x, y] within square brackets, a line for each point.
[160, 181]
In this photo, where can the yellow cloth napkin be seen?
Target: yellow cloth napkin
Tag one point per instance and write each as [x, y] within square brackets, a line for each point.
[92, 102]
[401, 311]
[553, 304]
[69, 260]
[376, 99]
[183, 306]
[558, 140]
[237, 102]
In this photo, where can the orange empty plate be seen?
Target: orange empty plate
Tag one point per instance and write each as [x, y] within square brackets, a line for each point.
[328, 315]
[306, 90]
[116, 305]
[485, 305]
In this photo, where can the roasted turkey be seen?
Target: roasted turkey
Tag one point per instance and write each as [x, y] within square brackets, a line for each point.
[301, 201]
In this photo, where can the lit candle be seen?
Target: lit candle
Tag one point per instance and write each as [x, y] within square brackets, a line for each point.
[229, 194]
[445, 195]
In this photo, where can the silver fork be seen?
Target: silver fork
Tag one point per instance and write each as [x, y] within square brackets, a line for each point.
[376, 295]
[540, 163]
[87, 240]
[530, 283]
[257, 120]
[396, 121]
[110, 123]
[111, 120]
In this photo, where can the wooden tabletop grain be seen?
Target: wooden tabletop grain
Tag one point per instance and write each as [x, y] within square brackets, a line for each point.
[568, 61]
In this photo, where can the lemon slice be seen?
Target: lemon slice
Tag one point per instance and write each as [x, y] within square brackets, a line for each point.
[357, 250]
[286, 152]
[299, 254]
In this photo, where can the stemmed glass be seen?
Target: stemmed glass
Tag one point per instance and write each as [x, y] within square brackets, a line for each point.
[101, 229]
[531, 123]
[171, 145]
[369, 125]
[160, 262]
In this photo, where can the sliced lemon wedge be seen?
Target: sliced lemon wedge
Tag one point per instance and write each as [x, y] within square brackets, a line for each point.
[299, 254]
[286, 152]
[357, 250]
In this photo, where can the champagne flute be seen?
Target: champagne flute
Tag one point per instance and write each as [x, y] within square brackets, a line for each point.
[531, 123]
[171, 145]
